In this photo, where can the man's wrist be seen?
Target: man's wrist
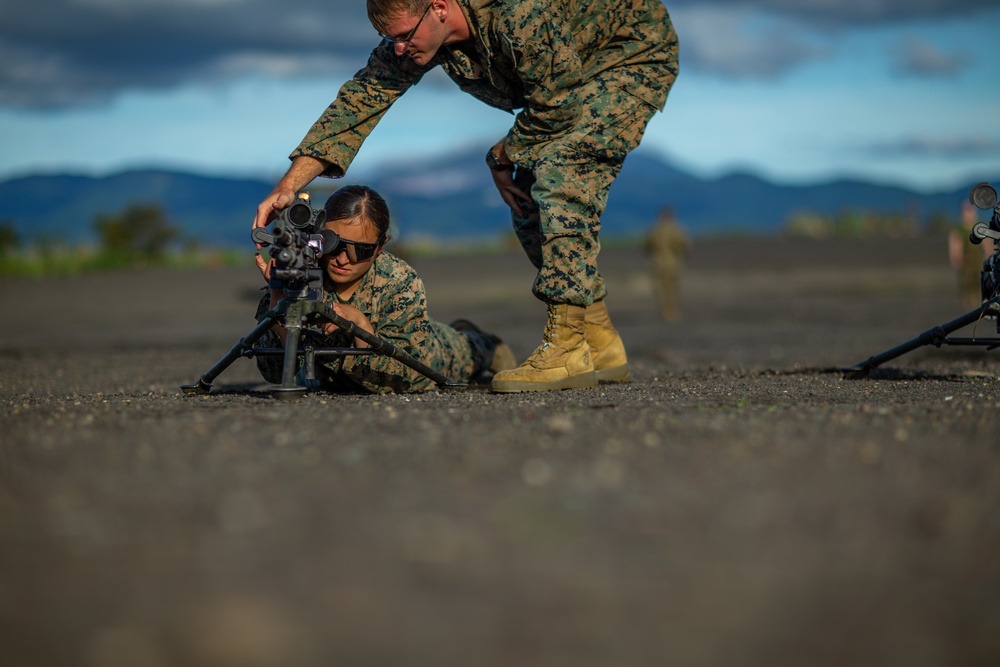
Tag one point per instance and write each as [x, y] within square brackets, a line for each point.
[303, 171]
[494, 162]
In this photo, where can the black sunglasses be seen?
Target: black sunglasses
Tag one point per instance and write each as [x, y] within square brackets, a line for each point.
[357, 251]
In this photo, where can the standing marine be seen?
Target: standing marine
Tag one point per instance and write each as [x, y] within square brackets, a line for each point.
[967, 258]
[583, 78]
[667, 245]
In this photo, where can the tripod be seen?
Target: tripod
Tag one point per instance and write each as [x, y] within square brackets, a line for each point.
[298, 240]
[984, 197]
[936, 336]
[296, 314]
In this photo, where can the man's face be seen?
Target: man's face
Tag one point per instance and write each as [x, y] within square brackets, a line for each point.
[415, 35]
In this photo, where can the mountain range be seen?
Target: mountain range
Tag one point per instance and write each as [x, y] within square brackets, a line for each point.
[451, 198]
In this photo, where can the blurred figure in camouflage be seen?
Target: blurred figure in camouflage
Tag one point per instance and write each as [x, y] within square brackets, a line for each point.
[586, 78]
[381, 294]
[967, 258]
[667, 244]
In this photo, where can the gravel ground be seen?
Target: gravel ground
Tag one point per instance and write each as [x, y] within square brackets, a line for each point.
[739, 503]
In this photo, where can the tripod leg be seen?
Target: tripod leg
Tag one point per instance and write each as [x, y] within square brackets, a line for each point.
[204, 383]
[384, 347]
[289, 389]
[291, 313]
[934, 336]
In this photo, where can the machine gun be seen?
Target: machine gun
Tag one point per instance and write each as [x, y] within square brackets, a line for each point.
[984, 197]
[297, 240]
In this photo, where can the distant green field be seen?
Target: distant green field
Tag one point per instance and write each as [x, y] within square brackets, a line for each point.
[71, 261]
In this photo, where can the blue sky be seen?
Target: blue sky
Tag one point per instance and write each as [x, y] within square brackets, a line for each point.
[899, 91]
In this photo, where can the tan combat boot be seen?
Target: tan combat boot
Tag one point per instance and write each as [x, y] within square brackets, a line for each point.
[562, 361]
[606, 348]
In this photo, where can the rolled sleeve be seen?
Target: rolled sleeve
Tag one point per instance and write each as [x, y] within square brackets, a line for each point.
[361, 102]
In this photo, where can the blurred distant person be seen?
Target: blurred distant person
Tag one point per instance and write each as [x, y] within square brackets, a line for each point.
[381, 294]
[586, 76]
[967, 258]
[667, 245]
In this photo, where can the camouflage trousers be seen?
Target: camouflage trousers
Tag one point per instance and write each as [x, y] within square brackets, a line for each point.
[569, 186]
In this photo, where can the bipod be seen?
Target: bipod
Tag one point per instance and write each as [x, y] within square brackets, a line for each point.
[295, 314]
[937, 336]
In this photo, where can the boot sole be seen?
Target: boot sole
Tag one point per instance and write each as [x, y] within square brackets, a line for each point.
[616, 374]
[586, 380]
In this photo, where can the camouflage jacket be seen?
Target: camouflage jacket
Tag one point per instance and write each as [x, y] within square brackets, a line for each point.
[392, 296]
[531, 55]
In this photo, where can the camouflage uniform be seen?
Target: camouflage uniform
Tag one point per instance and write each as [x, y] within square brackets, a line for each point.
[667, 244]
[587, 75]
[970, 270]
[392, 296]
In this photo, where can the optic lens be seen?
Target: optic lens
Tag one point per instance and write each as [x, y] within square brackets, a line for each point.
[300, 215]
[983, 196]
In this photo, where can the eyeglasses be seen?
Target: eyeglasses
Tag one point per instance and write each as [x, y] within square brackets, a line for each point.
[408, 40]
[356, 250]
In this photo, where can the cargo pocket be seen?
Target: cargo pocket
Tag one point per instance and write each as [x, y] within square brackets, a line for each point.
[613, 121]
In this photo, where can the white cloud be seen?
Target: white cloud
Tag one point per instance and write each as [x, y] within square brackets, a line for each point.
[97, 49]
[741, 43]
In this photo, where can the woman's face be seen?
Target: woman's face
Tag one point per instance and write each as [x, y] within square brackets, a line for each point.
[340, 270]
